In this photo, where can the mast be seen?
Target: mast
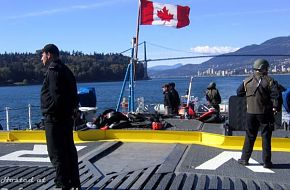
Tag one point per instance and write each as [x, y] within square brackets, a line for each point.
[131, 68]
[145, 63]
[137, 32]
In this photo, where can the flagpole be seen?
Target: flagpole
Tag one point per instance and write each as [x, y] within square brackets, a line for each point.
[134, 62]
[137, 33]
[137, 37]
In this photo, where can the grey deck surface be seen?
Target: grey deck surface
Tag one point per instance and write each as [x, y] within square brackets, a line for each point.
[117, 165]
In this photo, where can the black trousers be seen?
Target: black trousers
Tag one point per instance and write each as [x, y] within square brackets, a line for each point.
[168, 110]
[254, 122]
[62, 151]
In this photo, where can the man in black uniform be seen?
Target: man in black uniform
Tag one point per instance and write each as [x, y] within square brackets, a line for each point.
[262, 100]
[176, 98]
[59, 101]
[168, 99]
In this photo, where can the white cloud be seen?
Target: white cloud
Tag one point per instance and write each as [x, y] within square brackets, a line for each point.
[213, 50]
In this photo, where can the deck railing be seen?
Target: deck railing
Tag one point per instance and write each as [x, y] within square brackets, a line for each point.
[19, 118]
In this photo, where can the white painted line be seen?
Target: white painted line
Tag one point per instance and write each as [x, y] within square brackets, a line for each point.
[225, 156]
[37, 150]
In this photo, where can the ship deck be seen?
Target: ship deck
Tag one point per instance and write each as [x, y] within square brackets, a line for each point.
[186, 155]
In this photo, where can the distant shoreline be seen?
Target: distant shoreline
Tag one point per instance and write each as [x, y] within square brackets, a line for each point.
[271, 74]
[39, 83]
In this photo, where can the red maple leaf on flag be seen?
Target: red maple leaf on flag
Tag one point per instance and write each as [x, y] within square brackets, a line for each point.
[164, 14]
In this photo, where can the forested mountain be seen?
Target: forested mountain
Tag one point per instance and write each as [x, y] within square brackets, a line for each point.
[275, 46]
[240, 62]
[27, 67]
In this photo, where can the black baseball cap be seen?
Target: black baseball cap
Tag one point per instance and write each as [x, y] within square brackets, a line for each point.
[51, 48]
[165, 85]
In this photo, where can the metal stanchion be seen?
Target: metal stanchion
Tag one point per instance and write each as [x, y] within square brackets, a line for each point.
[7, 118]
[29, 116]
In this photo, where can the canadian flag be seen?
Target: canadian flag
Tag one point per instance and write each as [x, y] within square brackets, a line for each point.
[164, 14]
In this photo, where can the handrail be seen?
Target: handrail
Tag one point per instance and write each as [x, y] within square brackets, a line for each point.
[8, 118]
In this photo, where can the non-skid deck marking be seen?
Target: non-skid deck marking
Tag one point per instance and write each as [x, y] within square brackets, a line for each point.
[225, 156]
[173, 159]
[165, 181]
[130, 180]
[177, 181]
[37, 150]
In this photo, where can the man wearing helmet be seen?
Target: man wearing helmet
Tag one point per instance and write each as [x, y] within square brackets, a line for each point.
[261, 95]
[213, 96]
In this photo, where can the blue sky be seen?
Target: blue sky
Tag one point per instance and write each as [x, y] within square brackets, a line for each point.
[107, 26]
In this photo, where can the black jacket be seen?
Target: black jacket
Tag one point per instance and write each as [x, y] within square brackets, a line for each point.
[59, 91]
[175, 98]
[168, 99]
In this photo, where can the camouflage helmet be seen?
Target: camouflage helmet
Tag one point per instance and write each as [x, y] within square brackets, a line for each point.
[172, 84]
[261, 64]
[211, 85]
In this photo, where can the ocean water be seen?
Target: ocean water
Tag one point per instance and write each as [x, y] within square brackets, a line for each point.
[17, 98]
